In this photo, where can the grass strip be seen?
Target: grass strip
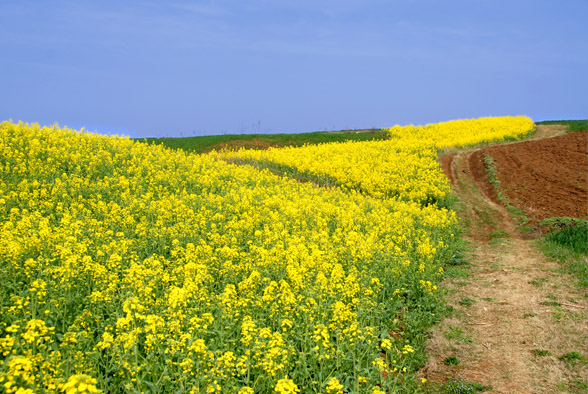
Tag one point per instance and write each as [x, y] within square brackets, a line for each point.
[204, 144]
[573, 125]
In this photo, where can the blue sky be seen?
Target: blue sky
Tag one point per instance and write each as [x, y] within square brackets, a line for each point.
[181, 68]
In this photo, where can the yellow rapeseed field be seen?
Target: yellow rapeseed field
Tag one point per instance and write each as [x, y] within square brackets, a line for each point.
[389, 168]
[132, 268]
[460, 133]
[403, 167]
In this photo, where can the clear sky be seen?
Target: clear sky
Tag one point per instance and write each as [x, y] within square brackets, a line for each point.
[181, 68]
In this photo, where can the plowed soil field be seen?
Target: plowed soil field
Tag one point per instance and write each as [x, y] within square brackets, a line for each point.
[544, 178]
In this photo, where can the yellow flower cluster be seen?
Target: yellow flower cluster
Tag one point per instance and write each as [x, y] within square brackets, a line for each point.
[128, 267]
[404, 167]
[459, 133]
[383, 169]
[78, 384]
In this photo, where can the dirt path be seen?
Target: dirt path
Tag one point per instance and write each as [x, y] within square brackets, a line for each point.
[515, 313]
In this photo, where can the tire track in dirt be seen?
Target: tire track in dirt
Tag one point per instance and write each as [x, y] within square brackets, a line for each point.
[506, 309]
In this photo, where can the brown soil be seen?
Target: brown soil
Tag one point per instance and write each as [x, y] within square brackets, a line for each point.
[448, 169]
[545, 178]
[514, 301]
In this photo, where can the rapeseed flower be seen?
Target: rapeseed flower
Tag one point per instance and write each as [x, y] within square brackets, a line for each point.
[175, 271]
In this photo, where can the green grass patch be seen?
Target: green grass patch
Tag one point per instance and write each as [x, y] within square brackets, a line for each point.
[491, 170]
[457, 267]
[498, 234]
[574, 386]
[519, 216]
[457, 272]
[567, 242]
[451, 360]
[573, 125]
[466, 301]
[203, 144]
[485, 219]
[560, 314]
[493, 179]
[572, 358]
[571, 233]
[457, 334]
[537, 282]
[549, 303]
[457, 260]
[540, 353]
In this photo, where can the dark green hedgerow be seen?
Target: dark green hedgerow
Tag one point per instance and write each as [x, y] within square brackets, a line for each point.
[573, 125]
